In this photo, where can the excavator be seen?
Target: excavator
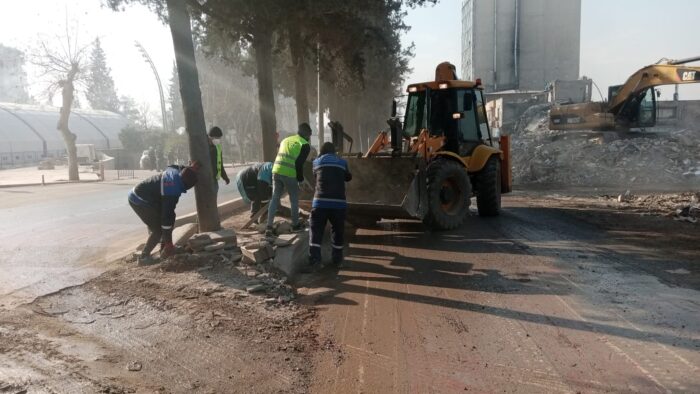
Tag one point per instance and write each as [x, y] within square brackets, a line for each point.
[629, 106]
[430, 165]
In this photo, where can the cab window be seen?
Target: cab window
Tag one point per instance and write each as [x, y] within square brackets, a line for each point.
[466, 104]
[415, 115]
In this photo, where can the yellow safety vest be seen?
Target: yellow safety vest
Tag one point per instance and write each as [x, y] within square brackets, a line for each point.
[290, 148]
[219, 159]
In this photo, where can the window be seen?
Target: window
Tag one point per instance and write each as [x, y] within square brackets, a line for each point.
[481, 116]
[415, 115]
[467, 124]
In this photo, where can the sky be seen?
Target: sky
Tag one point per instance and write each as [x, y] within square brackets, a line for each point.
[617, 38]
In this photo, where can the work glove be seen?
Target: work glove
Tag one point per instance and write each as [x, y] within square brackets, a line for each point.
[167, 249]
[227, 181]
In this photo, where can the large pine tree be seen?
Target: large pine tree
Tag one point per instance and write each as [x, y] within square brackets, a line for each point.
[101, 93]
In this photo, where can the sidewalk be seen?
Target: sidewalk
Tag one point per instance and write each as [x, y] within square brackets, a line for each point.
[32, 176]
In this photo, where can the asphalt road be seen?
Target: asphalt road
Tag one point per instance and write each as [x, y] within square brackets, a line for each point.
[536, 300]
[62, 235]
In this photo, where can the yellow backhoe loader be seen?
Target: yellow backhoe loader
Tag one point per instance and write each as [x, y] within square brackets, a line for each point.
[430, 165]
[632, 105]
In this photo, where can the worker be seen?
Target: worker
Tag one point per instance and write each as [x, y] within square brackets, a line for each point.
[217, 159]
[288, 174]
[154, 200]
[255, 185]
[328, 205]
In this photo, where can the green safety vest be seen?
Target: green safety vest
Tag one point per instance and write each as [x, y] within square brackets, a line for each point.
[219, 159]
[290, 148]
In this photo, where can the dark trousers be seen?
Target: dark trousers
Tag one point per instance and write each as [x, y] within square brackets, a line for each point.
[151, 217]
[319, 217]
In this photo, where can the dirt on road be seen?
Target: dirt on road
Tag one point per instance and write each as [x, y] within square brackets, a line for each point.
[564, 292]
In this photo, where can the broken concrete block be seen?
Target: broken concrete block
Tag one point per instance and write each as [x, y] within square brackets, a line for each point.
[285, 239]
[257, 253]
[182, 234]
[215, 247]
[198, 241]
[226, 235]
[283, 228]
[260, 228]
[291, 258]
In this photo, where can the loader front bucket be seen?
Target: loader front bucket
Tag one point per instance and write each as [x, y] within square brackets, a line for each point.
[381, 187]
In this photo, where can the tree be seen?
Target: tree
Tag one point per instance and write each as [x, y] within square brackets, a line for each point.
[181, 31]
[176, 15]
[64, 69]
[100, 92]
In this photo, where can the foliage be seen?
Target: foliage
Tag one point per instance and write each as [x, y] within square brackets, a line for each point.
[100, 92]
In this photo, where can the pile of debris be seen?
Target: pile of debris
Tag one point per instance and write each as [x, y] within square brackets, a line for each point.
[679, 206]
[576, 158]
[261, 265]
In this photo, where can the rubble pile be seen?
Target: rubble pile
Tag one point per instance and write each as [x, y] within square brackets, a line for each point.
[576, 158]
[679, 206]
[248, 256]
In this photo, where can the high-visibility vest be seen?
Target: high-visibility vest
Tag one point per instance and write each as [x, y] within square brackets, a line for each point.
[219, 159]
[290, 148]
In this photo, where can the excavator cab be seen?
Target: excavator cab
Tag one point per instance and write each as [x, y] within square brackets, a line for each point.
[638, 111]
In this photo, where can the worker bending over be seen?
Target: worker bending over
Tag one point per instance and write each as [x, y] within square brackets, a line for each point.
[329, 204]
[288, 173]
[154, 201]
[255, 185]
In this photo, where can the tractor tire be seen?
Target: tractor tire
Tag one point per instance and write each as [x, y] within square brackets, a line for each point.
[487, 183]
[449, 191]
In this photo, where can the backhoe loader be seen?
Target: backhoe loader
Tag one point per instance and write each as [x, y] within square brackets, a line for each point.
[430, 165]
[631, 105]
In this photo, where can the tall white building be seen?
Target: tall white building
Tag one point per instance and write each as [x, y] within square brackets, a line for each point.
[520, 44]
[13, 78]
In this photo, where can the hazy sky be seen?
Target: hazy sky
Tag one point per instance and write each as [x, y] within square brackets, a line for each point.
[617, 37]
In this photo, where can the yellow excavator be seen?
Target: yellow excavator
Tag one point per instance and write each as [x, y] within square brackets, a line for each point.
[430, 165]
[631, 105]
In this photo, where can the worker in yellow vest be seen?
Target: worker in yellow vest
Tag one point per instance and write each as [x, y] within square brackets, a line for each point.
[288, 174]
[217, 159]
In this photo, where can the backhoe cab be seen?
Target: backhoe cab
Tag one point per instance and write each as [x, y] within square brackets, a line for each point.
[431, 164]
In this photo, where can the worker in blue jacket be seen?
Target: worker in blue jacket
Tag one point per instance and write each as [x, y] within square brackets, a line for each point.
[255, 185]
[328, 205]
[154, 201]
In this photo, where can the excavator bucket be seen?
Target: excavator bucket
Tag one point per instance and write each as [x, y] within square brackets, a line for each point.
[381, 187]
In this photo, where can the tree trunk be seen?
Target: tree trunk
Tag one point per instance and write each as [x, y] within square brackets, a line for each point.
[262, 45]
[68, 137]
[300, 94]
[181, 31]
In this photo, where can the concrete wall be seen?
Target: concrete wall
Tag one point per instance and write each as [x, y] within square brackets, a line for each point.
[545, 45]
[678, 114]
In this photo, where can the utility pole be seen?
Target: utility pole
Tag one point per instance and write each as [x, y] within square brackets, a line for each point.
[148, 60]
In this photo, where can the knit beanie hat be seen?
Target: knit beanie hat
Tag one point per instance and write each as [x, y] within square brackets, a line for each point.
[189, 177]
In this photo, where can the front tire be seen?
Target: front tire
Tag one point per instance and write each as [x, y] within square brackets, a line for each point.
[488, 188]
[449, 191]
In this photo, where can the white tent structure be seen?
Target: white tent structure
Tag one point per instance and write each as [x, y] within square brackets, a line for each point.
[29, 133]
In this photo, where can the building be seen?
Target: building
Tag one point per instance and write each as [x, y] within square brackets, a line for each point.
[13, 78]
[28, 132]
[520, 44]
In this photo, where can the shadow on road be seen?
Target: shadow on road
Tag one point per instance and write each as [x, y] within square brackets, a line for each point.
[403, 253]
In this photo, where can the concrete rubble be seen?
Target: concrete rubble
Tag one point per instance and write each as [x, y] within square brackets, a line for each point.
[683, 207]
[576, 158]
[265, 265]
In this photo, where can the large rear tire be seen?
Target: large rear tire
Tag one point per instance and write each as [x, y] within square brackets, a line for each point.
[488, 188]
[449, 191]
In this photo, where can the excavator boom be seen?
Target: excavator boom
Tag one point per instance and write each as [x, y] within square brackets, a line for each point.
[629, 105]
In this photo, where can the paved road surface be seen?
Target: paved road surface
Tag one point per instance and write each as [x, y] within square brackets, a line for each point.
[61, 235]
[533, 301]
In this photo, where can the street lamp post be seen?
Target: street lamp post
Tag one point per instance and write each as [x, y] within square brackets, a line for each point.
[148, 60]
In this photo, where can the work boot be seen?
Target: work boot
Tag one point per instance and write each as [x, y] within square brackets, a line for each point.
[145, 260]
[298, 227]
[269, 232]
